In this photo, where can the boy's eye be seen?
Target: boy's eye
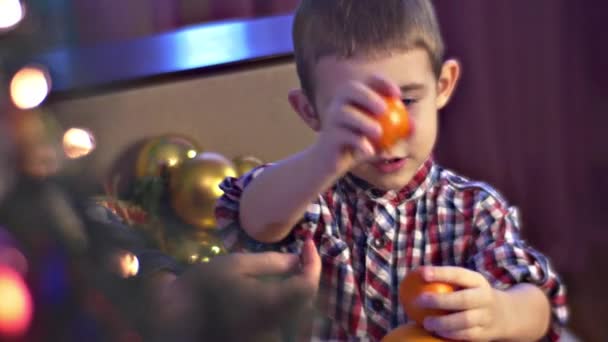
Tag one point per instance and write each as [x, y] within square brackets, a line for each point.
[408, 102]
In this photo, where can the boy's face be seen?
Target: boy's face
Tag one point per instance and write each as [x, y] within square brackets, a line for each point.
[422, 93]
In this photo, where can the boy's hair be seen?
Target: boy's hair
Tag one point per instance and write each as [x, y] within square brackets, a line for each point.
[344, 28]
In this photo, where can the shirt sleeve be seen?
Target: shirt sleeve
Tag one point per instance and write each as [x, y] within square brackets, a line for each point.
[505, 259]
[234, 236]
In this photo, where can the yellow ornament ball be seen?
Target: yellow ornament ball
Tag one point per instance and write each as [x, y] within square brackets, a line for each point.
[194, 188]
[244, 164]
[168, 151]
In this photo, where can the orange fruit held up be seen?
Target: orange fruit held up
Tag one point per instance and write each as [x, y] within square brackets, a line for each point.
[410, 333]
[395, 123]
[411, 287]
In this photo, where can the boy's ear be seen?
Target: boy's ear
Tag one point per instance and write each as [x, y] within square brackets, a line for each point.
[304, 107]
[448, 79]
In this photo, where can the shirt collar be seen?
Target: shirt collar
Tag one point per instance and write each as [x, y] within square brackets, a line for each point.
[422, 180]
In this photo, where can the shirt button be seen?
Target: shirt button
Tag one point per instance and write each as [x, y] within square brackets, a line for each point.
[380, 242]
[377, 304]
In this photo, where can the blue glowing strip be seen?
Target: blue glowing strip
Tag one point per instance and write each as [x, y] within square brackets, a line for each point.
[199, 47]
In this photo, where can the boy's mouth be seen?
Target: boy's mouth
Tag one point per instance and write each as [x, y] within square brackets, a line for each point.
[389, 165]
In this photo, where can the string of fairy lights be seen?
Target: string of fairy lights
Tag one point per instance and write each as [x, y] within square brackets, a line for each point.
[31, 85]
[16, 307]
[26, 91]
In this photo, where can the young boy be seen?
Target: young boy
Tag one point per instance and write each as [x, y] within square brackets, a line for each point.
[375, 215]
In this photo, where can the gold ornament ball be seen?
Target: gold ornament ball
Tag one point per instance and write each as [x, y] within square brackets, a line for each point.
[244, 164]
[168, 151]
[194, 188]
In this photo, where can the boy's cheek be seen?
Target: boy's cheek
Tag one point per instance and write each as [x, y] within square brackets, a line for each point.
[423, 129]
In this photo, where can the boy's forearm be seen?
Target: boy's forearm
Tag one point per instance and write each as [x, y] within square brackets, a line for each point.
[527, 313]
[278, 198]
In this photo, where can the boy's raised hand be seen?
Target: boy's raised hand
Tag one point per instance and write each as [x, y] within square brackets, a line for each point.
[479, 310]
[348, 127]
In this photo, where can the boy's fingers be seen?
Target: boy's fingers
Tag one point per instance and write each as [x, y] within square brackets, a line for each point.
[456, 321]
[299, 289]
[353, 119]
[355, 143]
[453, 275]
[384, 86]
[362, 96]
[455, 301]
[262, 264]
[311, 263]
[471, 334]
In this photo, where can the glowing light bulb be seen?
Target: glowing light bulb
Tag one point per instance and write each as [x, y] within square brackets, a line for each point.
[172, 161]
[29, 87]
[15, 304]
[78, 142]
[11, 13]
[129, 265]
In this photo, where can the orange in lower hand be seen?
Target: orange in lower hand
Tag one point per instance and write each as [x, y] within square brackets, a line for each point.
[395, 123]
[411, 287]
[410, 333]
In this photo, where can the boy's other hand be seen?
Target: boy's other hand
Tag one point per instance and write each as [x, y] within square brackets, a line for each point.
[479, 310]
[348, 127]
[239, 296]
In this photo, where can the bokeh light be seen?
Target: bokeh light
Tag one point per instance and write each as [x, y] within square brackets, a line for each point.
[216, 250]
[29, 87]
[129, 265]
[78, 142]
[15, 304]
[11, 13]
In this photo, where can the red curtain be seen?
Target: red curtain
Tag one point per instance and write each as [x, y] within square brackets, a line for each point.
[529, 117]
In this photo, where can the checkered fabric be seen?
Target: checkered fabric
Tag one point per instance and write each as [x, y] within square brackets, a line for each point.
[370, 239]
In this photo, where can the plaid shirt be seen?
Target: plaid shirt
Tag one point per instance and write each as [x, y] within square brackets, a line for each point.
[370, 239]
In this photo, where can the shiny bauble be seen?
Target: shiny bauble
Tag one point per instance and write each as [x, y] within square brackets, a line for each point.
[194, 188]
[164, 152]
[244, 164]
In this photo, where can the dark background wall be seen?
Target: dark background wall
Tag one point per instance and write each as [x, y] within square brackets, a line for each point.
[530, 117]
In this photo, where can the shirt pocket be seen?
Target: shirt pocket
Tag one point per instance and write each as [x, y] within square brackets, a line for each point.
[334, 251]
